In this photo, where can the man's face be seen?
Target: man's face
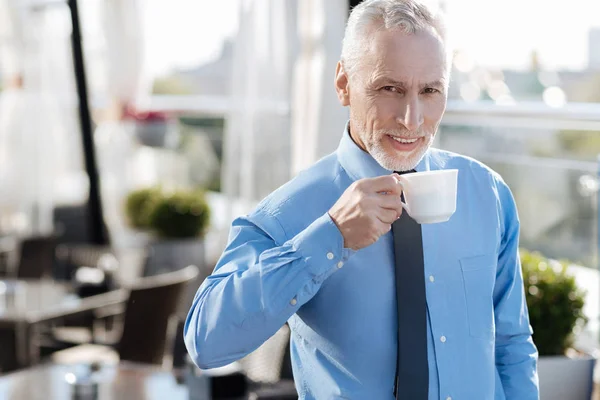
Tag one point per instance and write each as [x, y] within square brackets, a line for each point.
[397, 96]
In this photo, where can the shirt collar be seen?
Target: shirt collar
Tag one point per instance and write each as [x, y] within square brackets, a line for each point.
[359, 164]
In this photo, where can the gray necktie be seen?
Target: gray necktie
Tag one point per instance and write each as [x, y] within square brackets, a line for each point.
[412, 370]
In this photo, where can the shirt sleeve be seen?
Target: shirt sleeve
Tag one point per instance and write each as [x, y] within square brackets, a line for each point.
[257, 285]
[516, 354]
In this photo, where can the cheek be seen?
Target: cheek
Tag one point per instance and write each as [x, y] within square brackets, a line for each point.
[359, 104]
[434, 111]
[369, 109]
[383, 109]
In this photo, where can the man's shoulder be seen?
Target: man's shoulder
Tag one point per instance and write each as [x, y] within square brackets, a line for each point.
[475, 174]
[449, 160]
[310, 191]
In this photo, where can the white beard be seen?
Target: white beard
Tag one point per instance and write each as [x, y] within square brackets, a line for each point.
[405, 162]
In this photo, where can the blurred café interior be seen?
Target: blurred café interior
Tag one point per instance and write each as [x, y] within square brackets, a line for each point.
[132, 132]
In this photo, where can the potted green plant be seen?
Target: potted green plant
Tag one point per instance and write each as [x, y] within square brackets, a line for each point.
[175, 222]
[152, 128]
[178, 221]
[179, 215]
[555, 305]
[137, 206]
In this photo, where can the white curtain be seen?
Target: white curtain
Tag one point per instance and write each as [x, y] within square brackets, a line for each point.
[41, 157]
[29, 115]
[286, 115]
[318, 118]
[126, 79]
[116, 63]
[11, 108]
[257, 138]
[12, 38]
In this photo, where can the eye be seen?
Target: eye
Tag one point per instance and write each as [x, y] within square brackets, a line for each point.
[392, 89]
[430, 91]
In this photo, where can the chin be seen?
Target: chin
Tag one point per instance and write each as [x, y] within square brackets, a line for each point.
[393, 160]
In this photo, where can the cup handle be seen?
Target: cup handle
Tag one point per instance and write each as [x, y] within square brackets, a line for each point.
[404, 205]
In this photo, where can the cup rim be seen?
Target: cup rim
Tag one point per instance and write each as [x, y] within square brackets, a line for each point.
[432, 172]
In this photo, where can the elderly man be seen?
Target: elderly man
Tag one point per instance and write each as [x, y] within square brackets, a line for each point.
[323, 253]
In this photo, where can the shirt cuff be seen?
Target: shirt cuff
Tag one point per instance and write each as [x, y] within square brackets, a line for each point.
[321, 245]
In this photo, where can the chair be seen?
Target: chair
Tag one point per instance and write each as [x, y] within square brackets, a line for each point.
[158, 261]
[9, 360]
[112, 262]
[263, 373]
[150, 307]
[269, 368]
[69, 258]
[36, 257]
[72, 222]
[8, 247]
[72, 256]
[264, 364]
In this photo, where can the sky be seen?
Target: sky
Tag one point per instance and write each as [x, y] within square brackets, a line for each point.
[185, 33]
[505, 32]
[495, 33]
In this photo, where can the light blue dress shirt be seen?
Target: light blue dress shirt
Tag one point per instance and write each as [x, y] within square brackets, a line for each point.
[285, 262]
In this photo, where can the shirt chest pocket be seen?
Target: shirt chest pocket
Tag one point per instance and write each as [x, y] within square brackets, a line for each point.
[479, 276]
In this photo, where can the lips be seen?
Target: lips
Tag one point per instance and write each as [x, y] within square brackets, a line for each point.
[404, 144]
[402, 140]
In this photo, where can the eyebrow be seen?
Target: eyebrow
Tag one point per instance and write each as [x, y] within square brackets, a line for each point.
[435, 84]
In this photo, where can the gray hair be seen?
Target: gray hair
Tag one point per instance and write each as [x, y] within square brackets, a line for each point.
[411, 16]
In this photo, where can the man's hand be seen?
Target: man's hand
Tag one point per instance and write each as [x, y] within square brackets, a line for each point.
[367, 209]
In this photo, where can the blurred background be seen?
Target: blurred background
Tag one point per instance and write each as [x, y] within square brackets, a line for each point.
[135, 131]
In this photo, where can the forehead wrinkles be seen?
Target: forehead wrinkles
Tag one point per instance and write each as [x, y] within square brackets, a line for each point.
[408, 58]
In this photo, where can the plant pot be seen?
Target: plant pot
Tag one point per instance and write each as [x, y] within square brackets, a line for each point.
[564, 378]
[156, 134]
[174, 254]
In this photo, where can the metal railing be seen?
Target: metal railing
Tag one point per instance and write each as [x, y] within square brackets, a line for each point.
[575, 116]
[556, 192]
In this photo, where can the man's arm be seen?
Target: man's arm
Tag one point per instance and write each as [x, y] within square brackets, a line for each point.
[263, 278]
[516, 355]
[257, 285]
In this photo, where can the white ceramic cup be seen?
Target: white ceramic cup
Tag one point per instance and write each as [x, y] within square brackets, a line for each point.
[430, 196]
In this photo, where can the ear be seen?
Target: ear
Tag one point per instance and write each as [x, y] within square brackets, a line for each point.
[342, 85]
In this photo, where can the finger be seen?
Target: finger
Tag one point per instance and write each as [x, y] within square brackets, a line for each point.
[387, 183]
[389, 201]
[387, 216]
[383, 227]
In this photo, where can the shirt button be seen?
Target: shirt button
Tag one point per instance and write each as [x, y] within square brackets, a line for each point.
[330, 256]
[340, 264]
[448, 398]
[431, 278]
[443, 339]
[293, 301]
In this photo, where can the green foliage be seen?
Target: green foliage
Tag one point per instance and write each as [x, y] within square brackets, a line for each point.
[554, 300]
[183, 214]
[203, 122]
[582, 144]
[174, 215]
[586, 89]
[170, 85]
[137, 206]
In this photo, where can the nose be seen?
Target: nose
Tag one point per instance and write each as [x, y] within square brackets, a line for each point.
[411, 116]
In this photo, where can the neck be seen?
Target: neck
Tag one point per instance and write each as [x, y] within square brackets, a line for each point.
[355, 137]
